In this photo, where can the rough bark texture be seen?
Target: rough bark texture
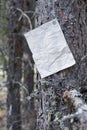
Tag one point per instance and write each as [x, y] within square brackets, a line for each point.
[72, 18]
[74, 98]
[14, 69]
[46, 100]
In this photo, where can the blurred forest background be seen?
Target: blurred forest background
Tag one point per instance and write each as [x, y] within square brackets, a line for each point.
[28, 102]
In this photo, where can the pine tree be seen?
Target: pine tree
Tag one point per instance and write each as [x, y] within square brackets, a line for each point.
[14, 67]
[72, 18]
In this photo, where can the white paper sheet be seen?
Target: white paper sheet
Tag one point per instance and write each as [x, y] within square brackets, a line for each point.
[49, 48]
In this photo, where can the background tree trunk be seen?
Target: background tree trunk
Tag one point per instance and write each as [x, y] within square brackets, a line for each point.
[28, 60]
[29, 5]
[72, 18]
[14, 70]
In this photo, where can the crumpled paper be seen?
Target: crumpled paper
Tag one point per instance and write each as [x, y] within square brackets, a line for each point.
[49, 48]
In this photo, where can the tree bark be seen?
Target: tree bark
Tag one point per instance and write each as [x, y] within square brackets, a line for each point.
[28, 60]
[72, 18]
[74, 98]
[29, 106]
[14, 68]
[45, 12]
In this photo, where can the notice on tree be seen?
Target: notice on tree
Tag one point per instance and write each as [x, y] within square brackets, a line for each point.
[49, 48]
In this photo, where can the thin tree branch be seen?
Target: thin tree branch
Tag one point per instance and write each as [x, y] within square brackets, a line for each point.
[26, 16]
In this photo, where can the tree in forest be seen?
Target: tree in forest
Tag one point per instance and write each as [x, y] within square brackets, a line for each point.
[29, 107]
[72, 18]
[18, 50]
[14, 66]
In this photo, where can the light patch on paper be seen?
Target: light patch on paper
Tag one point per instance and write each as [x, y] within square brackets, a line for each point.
[49, 48]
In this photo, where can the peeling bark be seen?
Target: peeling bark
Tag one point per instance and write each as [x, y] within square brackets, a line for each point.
[74, 97]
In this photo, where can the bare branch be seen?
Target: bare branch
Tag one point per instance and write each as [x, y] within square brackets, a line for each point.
[26, 16]
[21, 85]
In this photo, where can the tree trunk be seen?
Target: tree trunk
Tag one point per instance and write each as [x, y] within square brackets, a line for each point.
[72, 18]
[14, 69]
[29, 5]
[28, 60]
